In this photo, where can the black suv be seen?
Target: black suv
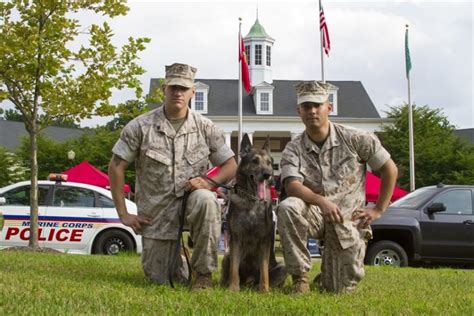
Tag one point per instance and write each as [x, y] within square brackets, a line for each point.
[431, 224]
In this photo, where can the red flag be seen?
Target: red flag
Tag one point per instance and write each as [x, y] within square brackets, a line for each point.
[323, 27]
[245, 66]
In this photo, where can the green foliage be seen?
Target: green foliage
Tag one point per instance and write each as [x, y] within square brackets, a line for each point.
[127, 111]
[49, 79]
[440, 156]
[52, 156]
[39, 67]
[11, 168]
[11, 115]
[68, 284]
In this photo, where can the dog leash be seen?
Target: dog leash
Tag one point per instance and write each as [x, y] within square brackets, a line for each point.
[215, 183]
[180, 240]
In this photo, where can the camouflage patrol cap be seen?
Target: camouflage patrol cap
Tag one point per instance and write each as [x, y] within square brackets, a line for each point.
[180, 75]
[312, 91]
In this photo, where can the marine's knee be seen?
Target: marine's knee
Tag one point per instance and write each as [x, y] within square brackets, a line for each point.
[290, 207]
[202, 196]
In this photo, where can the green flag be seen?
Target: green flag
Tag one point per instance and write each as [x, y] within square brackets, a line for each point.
[407, 54]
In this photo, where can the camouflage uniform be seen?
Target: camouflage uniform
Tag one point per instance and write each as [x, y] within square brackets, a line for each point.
[336, 171]
[164, 161]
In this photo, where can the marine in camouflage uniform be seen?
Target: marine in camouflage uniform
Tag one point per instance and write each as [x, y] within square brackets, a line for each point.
[323, 171]
[170, 154]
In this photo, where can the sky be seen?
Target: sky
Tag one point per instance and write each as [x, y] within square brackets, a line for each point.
[367, 45]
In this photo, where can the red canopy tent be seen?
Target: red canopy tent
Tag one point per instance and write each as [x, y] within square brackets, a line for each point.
[87, 173]
[372, 187]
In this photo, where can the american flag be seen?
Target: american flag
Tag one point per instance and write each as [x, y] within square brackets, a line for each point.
[323, 27]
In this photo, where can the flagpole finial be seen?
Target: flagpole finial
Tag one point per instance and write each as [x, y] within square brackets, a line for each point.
[240, 19]
[406, 25]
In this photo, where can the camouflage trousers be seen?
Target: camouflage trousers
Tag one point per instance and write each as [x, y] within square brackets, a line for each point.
[341, 269]
[203, 217]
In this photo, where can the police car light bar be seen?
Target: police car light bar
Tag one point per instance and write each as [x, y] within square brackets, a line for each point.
[58, 177]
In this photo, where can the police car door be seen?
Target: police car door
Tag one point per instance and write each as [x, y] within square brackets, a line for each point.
[77, 215]
[16, 212]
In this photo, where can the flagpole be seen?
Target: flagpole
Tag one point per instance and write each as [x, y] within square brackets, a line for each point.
[410, 119]
[321, 43]
[239, 138]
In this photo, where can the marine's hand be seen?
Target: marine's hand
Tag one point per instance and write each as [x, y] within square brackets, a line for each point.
[331, 212]
[366, 216]
[135, 221]
[198, 183]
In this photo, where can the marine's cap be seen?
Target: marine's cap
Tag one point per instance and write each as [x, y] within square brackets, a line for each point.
[180, 75]
[312, 91]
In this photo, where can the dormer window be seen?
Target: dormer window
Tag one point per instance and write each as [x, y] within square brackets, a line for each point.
[264, 101]
[263, 98]
[199, 101]
[333, 98]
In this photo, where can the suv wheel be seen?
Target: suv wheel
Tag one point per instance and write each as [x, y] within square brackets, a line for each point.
[386, 253]
[112, 242]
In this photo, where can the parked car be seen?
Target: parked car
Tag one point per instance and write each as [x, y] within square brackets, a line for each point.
[73, 218]
[431, 224]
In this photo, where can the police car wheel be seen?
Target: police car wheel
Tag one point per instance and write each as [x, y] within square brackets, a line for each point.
[113, 242]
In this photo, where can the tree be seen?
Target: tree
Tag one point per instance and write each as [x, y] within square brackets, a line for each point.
[51, 155]
[133, 108]
[440, 156]
[12, 115]
[128, 111]
[41, 71]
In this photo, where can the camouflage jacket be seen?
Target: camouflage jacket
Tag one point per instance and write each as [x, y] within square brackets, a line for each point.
[336, 171]
[165, 160]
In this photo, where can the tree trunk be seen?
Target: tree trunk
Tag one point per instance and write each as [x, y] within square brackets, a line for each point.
[33, 243]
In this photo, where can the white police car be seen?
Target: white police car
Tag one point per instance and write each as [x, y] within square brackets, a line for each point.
[73, 218]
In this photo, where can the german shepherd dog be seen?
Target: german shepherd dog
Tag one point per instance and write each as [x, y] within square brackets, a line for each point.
[251, 257]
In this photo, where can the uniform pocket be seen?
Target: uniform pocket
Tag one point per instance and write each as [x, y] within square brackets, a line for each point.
[157, 156]
[198, 154]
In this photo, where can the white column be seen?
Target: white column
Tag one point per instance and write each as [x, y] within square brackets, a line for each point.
[227, 136]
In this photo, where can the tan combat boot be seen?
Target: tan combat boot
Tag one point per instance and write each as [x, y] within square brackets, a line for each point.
[202, 282]
[300, 283]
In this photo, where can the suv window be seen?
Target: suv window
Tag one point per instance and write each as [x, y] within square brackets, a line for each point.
[21, 195]
[106, 202]
[415, 198]
[73, 197]
[457, 202]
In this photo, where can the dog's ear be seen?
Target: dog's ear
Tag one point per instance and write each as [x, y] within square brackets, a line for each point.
[245, 146]
[266, 145]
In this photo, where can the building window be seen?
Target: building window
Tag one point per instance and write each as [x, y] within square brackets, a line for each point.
[247, 53]
[258, 54]
[264, 102]
[333, 100]
[199, 101]
[269, 56]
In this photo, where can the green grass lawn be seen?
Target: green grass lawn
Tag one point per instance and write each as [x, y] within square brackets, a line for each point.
[46, 283]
